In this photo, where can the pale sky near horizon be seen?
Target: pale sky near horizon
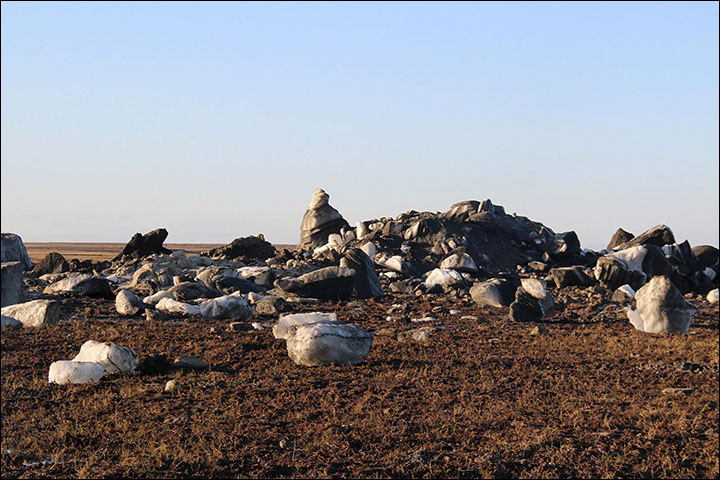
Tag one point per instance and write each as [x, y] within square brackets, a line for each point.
[219, 120]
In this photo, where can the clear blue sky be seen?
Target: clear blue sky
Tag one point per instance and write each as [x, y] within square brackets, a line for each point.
[218, 120]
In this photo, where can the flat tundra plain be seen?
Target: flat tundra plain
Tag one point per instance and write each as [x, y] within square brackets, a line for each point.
[486, 397]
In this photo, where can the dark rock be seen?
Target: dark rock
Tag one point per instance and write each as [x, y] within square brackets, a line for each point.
[76, 265]
[186, 291]
[683, 259]
[366, 283]
[570, 276]
[246, 247]
[612, 273]
[12, 249]
[52, 263]
[265, 279]
[329, 283]
[272, 305]
[620, 237]
[658, 235]
[236, 284]
[706, 254]
[564, 244]
[496, 292]
[11, 283]
[141, 245]
[655, 262]
[319, 221]
[188, 362]
[533, 303]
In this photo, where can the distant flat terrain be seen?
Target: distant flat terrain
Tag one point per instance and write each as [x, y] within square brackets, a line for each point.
[106, 251]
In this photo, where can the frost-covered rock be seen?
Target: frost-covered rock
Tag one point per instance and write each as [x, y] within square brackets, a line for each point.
[11, 283]
[114, 358]
[229, 306]
[713, 296]
[328, 344]
[156, 297]
[280, 329]
[440, 277]
[127, 303]
[661, 308]
[168, 305]
[65, 371]
[462, 262]
[35, 313]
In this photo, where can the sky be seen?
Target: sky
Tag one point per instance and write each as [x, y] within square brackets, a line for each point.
[219, 120]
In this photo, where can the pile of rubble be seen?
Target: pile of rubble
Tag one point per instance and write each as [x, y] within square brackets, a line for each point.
[474, 250]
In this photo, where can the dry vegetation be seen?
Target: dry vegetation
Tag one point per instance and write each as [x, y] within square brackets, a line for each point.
[106, 251]
[483, 398]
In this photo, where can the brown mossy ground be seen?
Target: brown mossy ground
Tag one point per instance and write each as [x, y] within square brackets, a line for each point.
[482, 398]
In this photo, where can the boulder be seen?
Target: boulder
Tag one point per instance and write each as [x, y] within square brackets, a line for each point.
[141, 245]
[114, 358]
[11, 283]
[52, 263]
[440, 278]
[272, 305]
[706, 254]
[366, 283]
[319, 221]
[12, 249]
[229, 306]
[186, 291]
[661, 308]
[244, 248]
[496, 292]
[612, 272]
[188, 362]
[329, 283]
[394, 263]
[168, 305]
[229, 285]
[620, 237]
[713, 296]
[328, 344]
[153, 299]
[35, 313]
[564, 244]
[658, 235]
[81, 284]
[64, 372]
[570, 276]
[11, 323]
[461, 262]
[420, 335]
[127, 303]
[533, 302]
[281, 328]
